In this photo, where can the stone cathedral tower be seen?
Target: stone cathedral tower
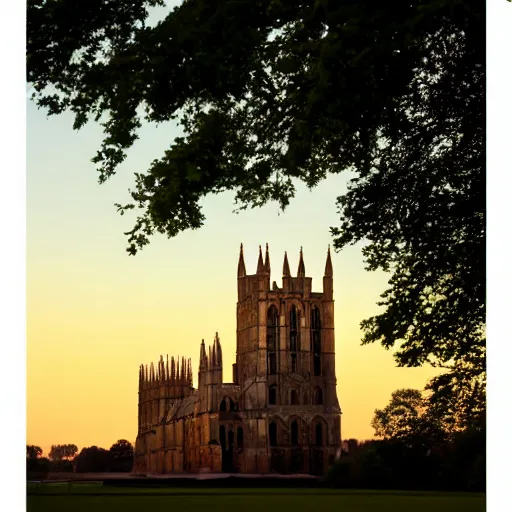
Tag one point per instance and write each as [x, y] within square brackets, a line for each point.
[285, 367]
[280, 413]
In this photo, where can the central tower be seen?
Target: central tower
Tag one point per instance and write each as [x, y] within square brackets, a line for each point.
[285, 364]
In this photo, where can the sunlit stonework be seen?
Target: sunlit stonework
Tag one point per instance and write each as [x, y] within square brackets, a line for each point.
[280, 414]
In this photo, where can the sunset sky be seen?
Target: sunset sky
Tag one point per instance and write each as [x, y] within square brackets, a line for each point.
[94, 313]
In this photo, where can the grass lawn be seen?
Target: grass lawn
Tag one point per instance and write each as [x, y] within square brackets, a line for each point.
[96, 498]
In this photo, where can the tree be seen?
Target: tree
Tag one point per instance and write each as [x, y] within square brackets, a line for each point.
[33, 451]
[408, 419]
[122, 449]
[60, 452]
[70, 450]
[122, 455]
[270, 93]
[55, 452]
[401, 418]
[93, 460]
[458, 399]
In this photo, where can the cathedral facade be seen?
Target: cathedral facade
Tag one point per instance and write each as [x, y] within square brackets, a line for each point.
[280, 413]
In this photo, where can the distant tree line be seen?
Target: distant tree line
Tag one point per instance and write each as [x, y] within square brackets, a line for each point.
[419, 448]
[92, 459]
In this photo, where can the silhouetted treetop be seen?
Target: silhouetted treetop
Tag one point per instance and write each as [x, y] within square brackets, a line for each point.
[33, 451]
[62, 451]
[122, 449]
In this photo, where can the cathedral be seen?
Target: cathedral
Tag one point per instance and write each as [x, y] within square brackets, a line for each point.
[279, 415]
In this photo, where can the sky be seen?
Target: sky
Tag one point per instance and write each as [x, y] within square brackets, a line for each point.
[94, 313]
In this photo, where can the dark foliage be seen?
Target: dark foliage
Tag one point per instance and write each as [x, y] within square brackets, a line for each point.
[38, 468]
[390, 464]
[61, 466]
[62, 452]
[121, 454]
[33, 451]
[63, 458]
[272, 92]
[93, 460]
[419, 450]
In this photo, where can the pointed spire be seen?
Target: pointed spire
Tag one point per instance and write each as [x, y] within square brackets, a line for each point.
[301, 271]
[161, 368]
[267, 260]
[241, 263]
[183, 368]
[173, 370]
[286, 266]
[328, 263]
[214, 354]
[177, 376]
[190, 383]
[167, 375]
[261, 267]
[203, 361]
[218, 349]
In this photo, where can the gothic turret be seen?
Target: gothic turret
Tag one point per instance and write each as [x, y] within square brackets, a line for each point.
[261, 267]
[241, 263]
[267, 261]
[215, 365]
[301, 271]
[219, 349]
[203, 360]
[286, 266]
[328, 283]
[267, 268]
[287, 278]
[242, 274]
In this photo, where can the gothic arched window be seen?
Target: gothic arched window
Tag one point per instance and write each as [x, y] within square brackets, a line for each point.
[240, 438]
[294, 329]
[294, 431]
[294, 399]
[319, 396]
[272, 395]
[272, 434]
[223, 406]
[272, 339]
[316, 329]
[319, 434]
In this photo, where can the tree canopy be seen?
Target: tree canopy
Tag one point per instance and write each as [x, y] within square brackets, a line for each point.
[122, 449]
[33, 451]
[93, 459]
[121, 454]
[270, 93]
[62, 451]
[407, 418]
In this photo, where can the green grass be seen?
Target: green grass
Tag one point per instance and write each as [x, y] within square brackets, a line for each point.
[96, 498]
